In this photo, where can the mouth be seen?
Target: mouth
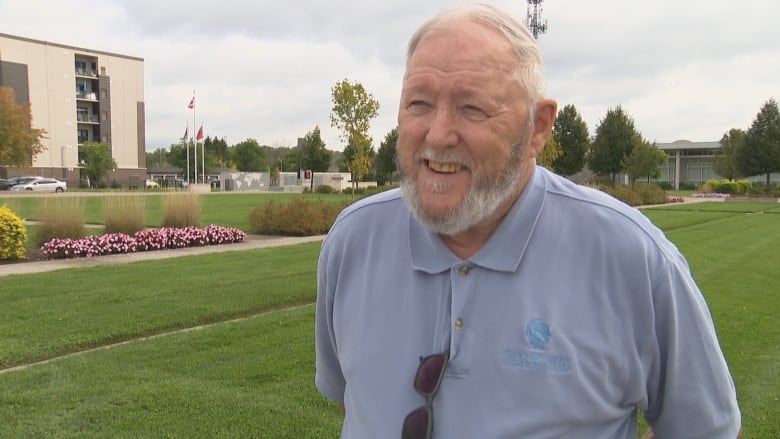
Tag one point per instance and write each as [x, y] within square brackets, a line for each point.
[444, 167]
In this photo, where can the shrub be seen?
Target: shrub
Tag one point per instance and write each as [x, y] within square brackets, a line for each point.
[324, 189]
[626, 195]
[651, 194]
[124, 214]
[727, 186]
[298, 217]
[60, 218]
[181, 209]
[665, 185]
[13, 235]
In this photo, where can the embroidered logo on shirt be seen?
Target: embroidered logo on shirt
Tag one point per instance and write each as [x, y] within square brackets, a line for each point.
[538, 335]
[537, 332]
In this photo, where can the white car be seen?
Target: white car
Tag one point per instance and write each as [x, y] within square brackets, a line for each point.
[42, 184]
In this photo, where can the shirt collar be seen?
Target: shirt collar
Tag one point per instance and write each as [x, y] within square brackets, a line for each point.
[503, 251]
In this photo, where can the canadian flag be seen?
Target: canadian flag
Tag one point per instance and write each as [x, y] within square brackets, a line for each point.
[199, 136]
[191, 105]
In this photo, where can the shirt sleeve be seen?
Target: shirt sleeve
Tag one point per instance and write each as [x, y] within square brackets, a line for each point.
[328, 377]
[691, 393]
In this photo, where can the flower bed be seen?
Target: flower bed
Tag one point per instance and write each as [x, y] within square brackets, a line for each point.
[145, 240]
[675, 200]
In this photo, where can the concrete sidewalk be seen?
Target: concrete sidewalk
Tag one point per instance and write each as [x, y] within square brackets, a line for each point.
[252, 242]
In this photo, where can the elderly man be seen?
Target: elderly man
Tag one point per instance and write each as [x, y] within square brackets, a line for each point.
[489, 298]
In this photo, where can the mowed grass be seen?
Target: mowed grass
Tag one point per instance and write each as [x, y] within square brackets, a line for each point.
[254, 377]
[225, 209]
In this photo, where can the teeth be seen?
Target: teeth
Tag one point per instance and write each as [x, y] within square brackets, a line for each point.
[448, 168]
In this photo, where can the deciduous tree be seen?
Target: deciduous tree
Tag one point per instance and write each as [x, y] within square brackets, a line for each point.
[725, 163]
[314, 155]
[249, 156]
[615, 137]
[96, 161]
[644, 160]
[571, 132]
[552, 151]
[19, 142]
[353, 109]
[760, 153]
[384, 162]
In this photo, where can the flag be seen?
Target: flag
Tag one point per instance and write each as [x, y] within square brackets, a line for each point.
[199, 137]
[191, 105]
[186, 133]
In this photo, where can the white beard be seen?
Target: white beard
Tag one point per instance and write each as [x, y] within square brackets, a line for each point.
[484, 197]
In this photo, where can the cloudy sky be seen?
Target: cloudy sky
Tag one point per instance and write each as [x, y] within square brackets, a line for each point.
[688, 69]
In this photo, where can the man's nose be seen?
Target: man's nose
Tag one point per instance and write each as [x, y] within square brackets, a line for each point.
[442, 132]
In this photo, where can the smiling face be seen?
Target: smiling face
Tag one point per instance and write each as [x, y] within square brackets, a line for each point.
[463, 128]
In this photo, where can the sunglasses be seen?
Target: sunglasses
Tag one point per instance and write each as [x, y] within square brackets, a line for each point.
[419, 423]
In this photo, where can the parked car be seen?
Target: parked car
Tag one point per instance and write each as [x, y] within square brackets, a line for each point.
[150, 183]
[41, 184]
[13, 181]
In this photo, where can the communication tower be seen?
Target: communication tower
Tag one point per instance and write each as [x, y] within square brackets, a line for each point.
[534, 21]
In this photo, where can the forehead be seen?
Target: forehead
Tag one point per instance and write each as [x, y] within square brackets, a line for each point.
[463, 46]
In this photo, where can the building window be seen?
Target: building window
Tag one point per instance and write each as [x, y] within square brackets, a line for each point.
[103, 93]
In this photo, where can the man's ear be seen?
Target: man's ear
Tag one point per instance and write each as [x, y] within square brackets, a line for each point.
[546, 111]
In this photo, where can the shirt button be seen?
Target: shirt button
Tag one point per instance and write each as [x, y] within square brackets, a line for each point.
[464, 270]
[458, 324]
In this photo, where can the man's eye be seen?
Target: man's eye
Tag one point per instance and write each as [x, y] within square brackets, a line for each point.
[472, 112]
[418, 106]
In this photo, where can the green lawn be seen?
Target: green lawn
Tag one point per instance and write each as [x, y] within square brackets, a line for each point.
[254, 377]
[225, 209]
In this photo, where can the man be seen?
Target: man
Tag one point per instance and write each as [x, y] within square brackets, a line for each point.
[489, 298]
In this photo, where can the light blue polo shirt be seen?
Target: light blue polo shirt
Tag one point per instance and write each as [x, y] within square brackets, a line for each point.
[576, 312]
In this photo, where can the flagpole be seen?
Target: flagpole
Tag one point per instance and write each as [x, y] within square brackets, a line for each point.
[186, 145]
[195, 145]
[203, 158]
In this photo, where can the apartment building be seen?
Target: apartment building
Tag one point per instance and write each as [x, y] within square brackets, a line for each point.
[78, 95]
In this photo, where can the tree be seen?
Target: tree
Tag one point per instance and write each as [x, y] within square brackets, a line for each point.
[157, 158]
[615, 138]
[96, 161]
[644, 160]
[552, 150]
[314, 155]
[353, 109]
[571, 132]
[19, 142]
[249, 156]
[725, 163]
[217, 152]
[384, 163]
[760, 153]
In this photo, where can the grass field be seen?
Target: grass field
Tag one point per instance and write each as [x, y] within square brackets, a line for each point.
[225, 209]
[249, 371]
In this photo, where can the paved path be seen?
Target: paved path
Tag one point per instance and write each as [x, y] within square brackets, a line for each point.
[252, 242]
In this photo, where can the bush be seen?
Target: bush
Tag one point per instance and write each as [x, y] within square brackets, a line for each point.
[727, 186]
[651, 194]
[665, 185]
[13, 235]
[60, 218]
[324, 189]
[124, 214]
[181, 209]
[298, 217]
[626, 195]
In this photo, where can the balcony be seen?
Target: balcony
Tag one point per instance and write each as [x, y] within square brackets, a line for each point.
[86, 96]
[87, 118]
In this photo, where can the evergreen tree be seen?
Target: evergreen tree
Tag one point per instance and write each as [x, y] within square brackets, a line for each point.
[725, 163]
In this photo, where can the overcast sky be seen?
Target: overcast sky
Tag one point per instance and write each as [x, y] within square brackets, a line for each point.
[690, 69]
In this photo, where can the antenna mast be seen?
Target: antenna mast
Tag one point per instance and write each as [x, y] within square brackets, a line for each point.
[534, 18]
